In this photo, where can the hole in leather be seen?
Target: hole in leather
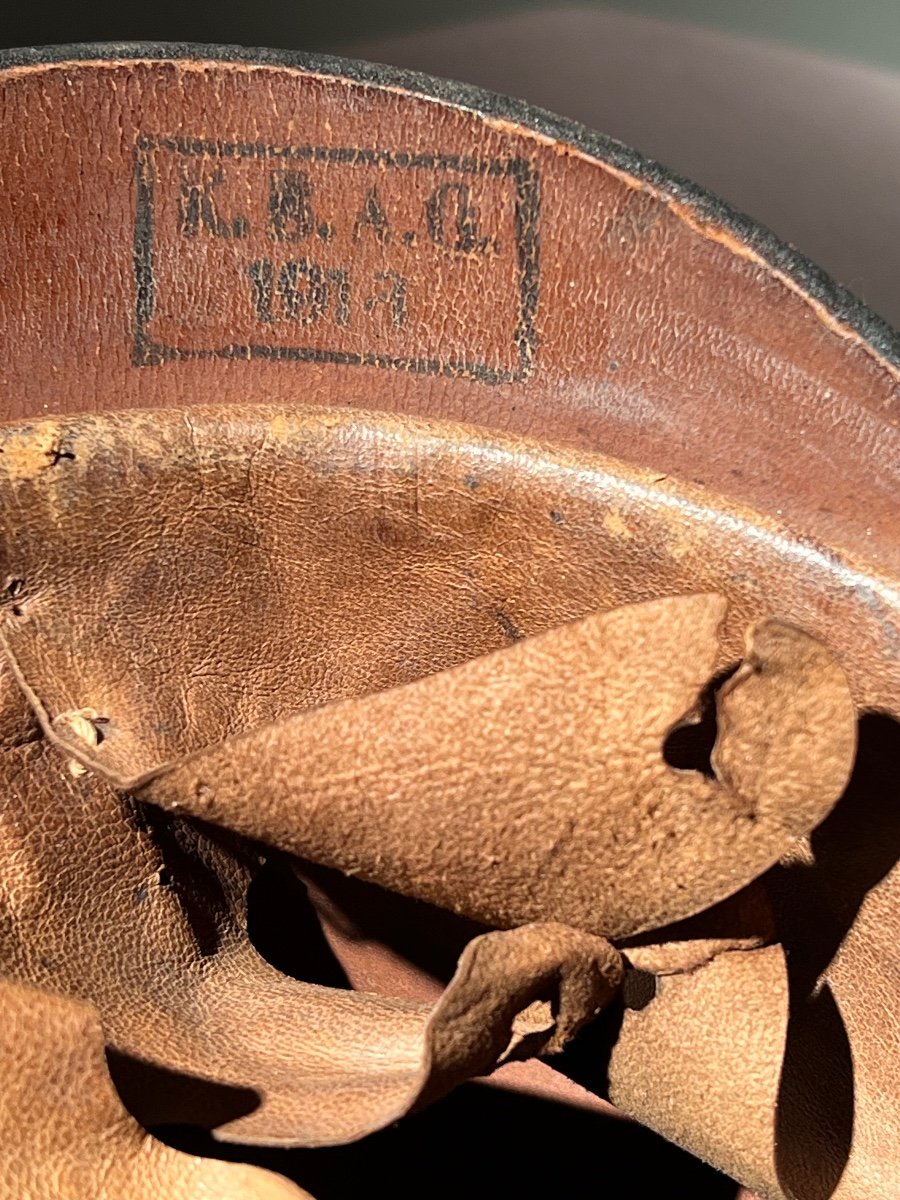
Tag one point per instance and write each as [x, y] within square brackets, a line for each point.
[689, 746]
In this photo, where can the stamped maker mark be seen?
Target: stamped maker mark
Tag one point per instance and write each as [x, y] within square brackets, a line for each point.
[415, 262]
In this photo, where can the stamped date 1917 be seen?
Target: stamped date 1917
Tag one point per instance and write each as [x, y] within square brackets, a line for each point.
[408, 261]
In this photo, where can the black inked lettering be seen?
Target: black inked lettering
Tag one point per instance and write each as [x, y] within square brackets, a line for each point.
[393, 295]
[372, 216]
[303, 289]
[269, 205]
[261, 272]
[340, 277]
[291, 216]
[452, 219]
[197, 209]
[299, 290]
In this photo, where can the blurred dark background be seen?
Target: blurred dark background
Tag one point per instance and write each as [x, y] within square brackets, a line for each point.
[787, 108]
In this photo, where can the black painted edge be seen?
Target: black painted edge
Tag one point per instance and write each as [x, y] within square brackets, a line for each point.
[837, 300]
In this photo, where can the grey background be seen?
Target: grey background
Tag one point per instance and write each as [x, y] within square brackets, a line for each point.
[867, 30]
[806, 142]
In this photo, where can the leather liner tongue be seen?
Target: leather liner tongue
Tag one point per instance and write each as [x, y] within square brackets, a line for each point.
[530, 785]
[526, 784]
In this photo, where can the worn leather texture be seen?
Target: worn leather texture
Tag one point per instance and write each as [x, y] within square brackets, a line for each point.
[64, 1131]
[576, 750]
[703, 414]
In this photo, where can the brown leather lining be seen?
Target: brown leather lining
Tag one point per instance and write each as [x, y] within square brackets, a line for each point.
[191, 232]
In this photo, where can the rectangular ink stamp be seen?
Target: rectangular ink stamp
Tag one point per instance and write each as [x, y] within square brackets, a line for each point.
[415, 262]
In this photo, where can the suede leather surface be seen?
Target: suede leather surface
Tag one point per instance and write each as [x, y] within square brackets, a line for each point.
[64, 1132]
